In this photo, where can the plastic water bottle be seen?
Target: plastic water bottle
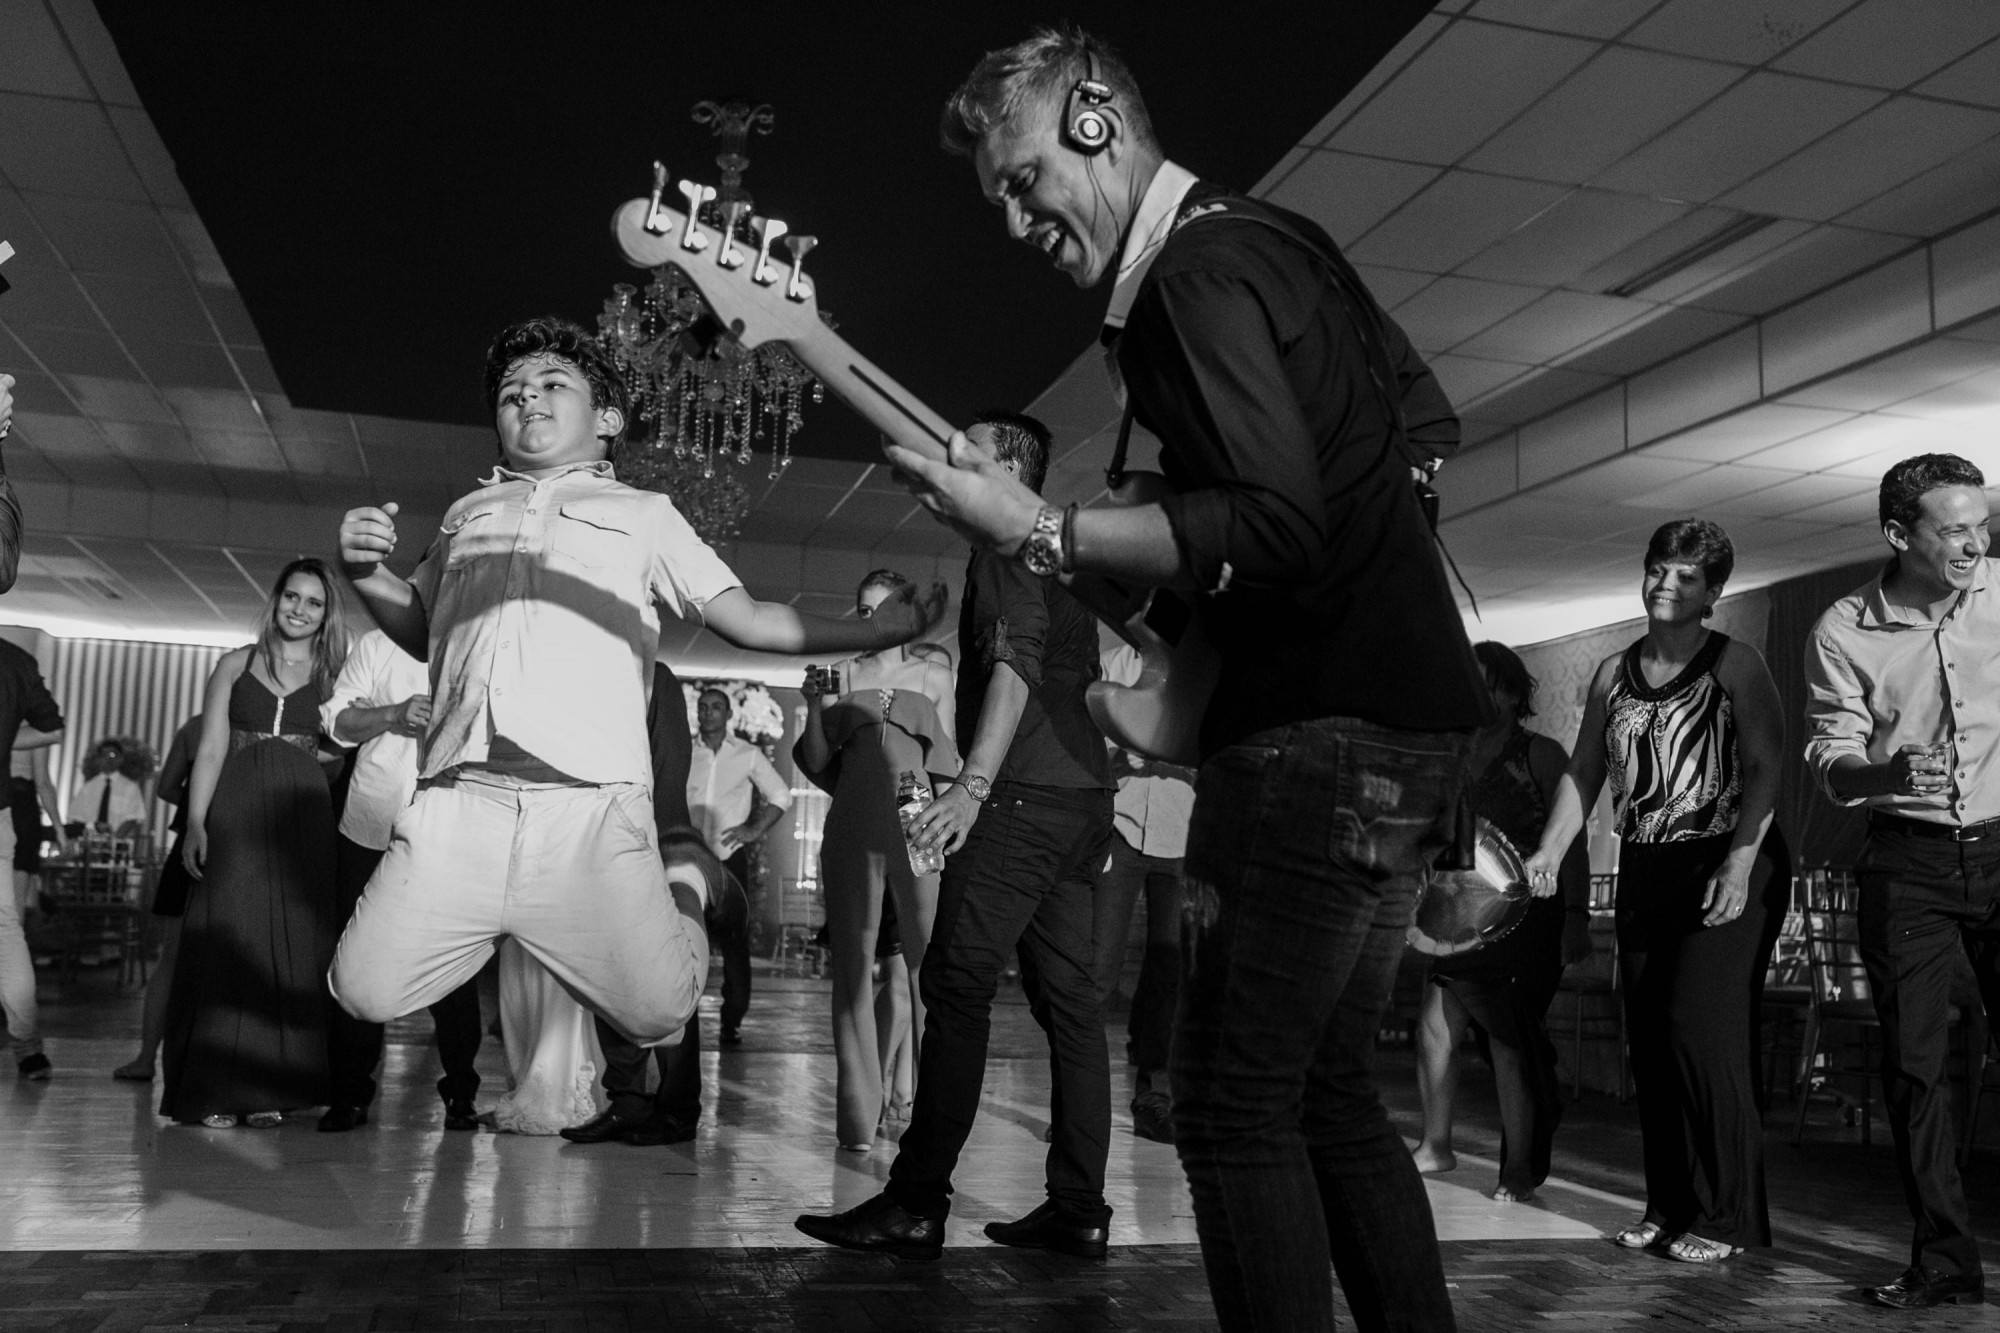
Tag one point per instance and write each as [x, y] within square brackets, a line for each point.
[913, 794]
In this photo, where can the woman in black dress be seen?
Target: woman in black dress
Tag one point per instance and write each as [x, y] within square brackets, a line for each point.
[246, 1022]
[1688, 726]
[1502, 990]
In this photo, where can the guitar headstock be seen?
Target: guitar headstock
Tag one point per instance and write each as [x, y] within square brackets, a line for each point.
[759, 294]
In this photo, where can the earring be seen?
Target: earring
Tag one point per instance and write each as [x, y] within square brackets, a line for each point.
[1707, 611]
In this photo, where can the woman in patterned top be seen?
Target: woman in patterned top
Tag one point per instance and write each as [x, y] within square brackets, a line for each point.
[1688, 726]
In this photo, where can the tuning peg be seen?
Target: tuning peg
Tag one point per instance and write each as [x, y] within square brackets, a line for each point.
[798, 289]
[768, 230]
[696, 196]
[656, 221]
[727, 255]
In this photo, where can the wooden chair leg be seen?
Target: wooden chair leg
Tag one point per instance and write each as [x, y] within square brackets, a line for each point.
[1810, 1045]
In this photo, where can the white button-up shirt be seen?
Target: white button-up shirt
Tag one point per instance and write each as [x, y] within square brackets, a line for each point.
[544, 597]
[377, 673]
[1880, 676]
[720, 782]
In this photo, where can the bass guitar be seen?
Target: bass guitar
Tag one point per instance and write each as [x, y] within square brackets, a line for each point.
[758, 297]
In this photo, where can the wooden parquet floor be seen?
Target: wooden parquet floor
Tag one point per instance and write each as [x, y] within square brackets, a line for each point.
[1582, 1285]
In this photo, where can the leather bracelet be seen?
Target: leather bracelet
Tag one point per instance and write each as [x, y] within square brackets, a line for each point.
[1069, 539]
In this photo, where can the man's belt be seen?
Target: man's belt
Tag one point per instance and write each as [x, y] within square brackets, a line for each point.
[1927, 828]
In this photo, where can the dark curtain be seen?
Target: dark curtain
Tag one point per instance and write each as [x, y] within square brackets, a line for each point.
[1820, 832]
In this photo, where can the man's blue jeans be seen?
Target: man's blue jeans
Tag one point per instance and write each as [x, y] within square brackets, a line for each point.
[1305, 858]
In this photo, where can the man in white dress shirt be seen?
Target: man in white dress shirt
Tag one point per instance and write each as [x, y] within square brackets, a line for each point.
[726, 774]
[382, 703]
[538, 609]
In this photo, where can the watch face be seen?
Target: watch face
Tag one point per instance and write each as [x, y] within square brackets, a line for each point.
[1042, 555]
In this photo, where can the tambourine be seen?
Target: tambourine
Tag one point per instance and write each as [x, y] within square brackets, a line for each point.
[1466, 909]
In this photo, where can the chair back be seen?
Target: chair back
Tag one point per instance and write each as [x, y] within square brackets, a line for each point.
[1831, 933]
[108, 871]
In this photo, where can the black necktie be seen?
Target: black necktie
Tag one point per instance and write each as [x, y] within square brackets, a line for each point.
[104, 804]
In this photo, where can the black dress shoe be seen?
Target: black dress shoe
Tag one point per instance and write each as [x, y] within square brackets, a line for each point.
[1921, 1288]
[879, 1225]
[603, 1127]
[459, 1113]
[731, 1037]
[1153, 1117]
[657, 1130]
[1047, 1229]
[340, 1119]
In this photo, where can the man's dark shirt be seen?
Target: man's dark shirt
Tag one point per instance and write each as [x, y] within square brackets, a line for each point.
[1294, 498]
[1011, 619]
[23, 697]
[10, 534]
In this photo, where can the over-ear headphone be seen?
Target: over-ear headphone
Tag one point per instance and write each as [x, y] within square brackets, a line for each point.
[1088, 130]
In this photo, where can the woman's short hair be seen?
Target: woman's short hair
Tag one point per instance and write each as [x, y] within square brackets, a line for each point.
[879, 578]
[1693, 541]
[1022, 440]
[565, 341]
[1038, 72]
[1504, 668]
[1905, 485]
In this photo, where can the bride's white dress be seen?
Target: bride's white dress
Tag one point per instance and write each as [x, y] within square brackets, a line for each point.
[552, 1053]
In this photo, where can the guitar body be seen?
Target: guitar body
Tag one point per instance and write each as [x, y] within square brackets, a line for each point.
[1160, 713]
[758, 297]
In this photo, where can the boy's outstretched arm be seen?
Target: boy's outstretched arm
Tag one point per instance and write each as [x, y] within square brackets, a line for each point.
[773, 627]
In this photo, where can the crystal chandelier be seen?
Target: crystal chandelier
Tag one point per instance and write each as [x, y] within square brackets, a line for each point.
[698, 401]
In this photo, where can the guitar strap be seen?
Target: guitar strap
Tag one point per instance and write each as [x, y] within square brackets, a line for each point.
[1366, 318]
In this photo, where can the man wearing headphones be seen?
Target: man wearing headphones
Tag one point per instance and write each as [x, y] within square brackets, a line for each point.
[1290, 410]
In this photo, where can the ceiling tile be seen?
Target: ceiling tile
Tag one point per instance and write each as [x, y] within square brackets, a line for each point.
[1837, 446]
[200, 365]
[1863, 317]
[64, 147]
[1793, 497]
[1974, 78]
[1702, 490]
[1473, 78]
[1984, 330]
[1464, 378]
[1583, 18]
[289, 423]
[69, 352]
[1451, 310]
[265, 487]
[1893, 43]
[239, 450]
[27, 463]
[1944, 197]
[118, 399]
[61, 436]
[151, 440]
[1558, 323]
[1751, 127]
[106, 236]
[321, 458]
[1347, 194]
[1973, 399]
[1731, 30]
[1644, 344]
[142, 308]
[1539, 393]
[1572, 237]
[147, 153]
[1818, 259]
[32, 389]
[1460, 214]
[1883, 148]
[215, 409]
[1904, 375]
[1601, 113]
[1742, 434]
[34, 58]
[1613, 481]
[1706, 382]
[1392, 286]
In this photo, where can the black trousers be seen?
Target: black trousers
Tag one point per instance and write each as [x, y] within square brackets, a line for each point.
[1923, 900]
[1020, 887]
[734, 946]
[677, 1098]
[1692, 994]
[354, 1048]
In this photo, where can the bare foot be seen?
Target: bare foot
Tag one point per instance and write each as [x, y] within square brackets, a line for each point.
[1430, 1161]
[1501, 1194]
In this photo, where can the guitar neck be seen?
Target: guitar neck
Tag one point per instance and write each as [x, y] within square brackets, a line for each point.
[888, 406]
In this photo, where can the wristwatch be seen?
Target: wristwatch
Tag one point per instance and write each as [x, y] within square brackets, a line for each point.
[1043, 551]
[976, 787]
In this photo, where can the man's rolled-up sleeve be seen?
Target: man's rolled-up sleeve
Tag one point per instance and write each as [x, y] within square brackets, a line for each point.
[355, 687]
[1011, 620]
[1838, 719]
[1200, 351]
[770, 784]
